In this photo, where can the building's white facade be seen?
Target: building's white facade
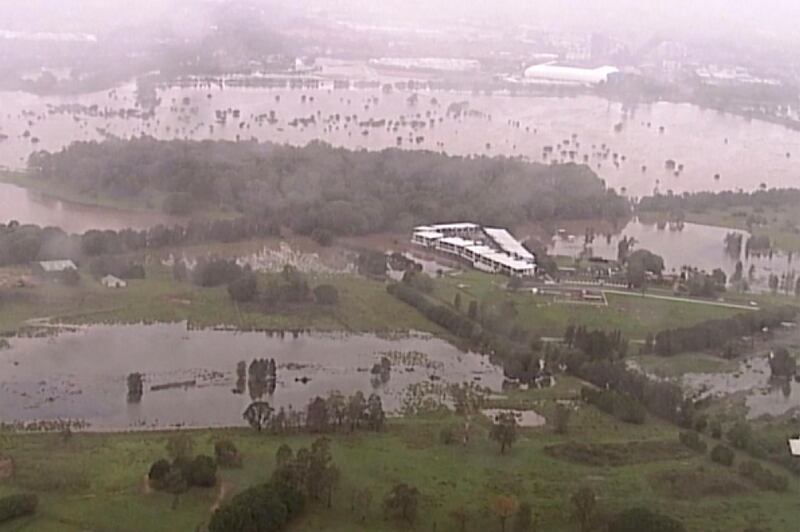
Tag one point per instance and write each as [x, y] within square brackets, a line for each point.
[550, 72]
[491, 250]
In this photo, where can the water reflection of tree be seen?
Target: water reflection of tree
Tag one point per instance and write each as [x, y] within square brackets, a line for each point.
[262, 378]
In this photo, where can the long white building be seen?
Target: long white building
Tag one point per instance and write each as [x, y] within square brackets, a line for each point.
[553, 73]
[488, 249]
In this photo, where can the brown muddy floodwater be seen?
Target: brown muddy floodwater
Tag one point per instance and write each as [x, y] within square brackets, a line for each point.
[82, 375]
[628, 146]
[695, 245]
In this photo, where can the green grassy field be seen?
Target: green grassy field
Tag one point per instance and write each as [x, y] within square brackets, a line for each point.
[364, 305]
[96, 481]
[634, 316]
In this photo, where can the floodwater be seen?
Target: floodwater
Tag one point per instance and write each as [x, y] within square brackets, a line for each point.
[763, 394]
[82, 375]
[695, 245]
[27, 206]
[627, 146]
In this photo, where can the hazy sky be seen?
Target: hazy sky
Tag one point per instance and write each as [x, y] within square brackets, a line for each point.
[774, 20]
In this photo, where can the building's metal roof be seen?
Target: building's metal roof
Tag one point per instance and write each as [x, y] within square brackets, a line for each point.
[51, 266]
[508, 243]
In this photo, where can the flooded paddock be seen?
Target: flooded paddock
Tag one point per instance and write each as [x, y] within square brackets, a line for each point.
[628, 146]
[190, 376]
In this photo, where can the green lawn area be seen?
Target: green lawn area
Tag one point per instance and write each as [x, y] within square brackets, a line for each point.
[634, 316]
[680, 364]
[364, 305]
[96, 481]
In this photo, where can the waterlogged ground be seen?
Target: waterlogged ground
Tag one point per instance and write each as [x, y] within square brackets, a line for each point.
[627, 146]
[696, 245]
[82, 375]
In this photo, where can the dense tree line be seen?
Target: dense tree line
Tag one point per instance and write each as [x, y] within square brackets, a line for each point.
[620, 406]
[21, 244]
[320, 187]
[704, 201]
[716, 334]
[336, 413]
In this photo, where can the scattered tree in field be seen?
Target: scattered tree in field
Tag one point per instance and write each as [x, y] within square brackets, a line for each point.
[457, 301]
[584, 502]
[135, 387]
[258, 414]
[504, 506]
[226, 454]
[401, 503]
[782, 363]
[180, 446]
[722, 455]
[504, 430]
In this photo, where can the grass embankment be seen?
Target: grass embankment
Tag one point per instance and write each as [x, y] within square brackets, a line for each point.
[96, 481]
[634, 316]
[364, 305]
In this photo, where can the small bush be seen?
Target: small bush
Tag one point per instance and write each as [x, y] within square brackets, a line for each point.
[14, 506]
[202, 472]
[227, 454]
[692, 440]
[326, 294]
[158, 471]
[447, 436]
[722, 455]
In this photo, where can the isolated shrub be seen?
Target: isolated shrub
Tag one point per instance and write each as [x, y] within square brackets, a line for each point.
[722, 455]
[158, 471]
[693, 441]
[447, 436]
[202, 472]
[326, 294]
[14, 506]
[227, 454]
[244, 289]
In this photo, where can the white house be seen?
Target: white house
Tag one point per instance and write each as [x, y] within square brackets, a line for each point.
[109, 281]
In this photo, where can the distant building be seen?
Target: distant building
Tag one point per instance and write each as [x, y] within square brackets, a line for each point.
[558, 74]
[492, 250]
[794, 446]
[52, 267]
[109, 281]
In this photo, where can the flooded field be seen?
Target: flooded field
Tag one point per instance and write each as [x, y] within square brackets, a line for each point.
[190, 376]
[763, 395]
[695, 245]
[628, 146]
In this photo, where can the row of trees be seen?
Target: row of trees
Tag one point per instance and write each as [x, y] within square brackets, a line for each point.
[319, 187]
[21, 244]
[716, 334]
[332, 414]
[704, 201]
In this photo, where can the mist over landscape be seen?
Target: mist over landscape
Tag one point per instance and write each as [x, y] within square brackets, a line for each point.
[379, 265]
